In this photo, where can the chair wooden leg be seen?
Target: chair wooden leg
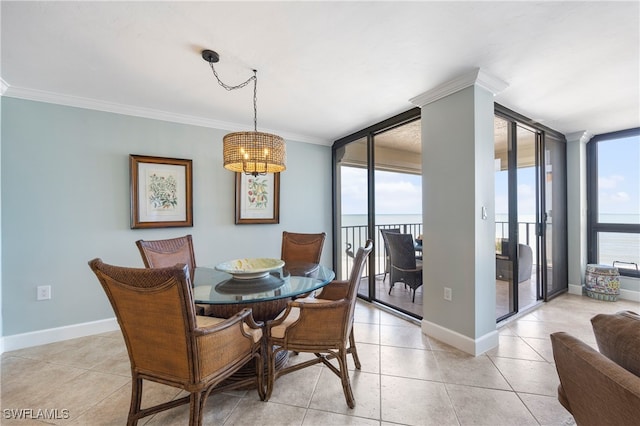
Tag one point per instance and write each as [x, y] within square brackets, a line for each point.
[271, 372]
[260, 377]
[344, 377]
[353, 351]
[195, 409]
[136, 399]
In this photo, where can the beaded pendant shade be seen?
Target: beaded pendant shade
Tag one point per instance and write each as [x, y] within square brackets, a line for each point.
[254, 153]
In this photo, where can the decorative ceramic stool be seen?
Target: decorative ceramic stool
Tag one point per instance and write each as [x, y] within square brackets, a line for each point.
[602, 282]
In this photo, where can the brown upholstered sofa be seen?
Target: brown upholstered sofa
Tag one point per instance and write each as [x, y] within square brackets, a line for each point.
[601, 388]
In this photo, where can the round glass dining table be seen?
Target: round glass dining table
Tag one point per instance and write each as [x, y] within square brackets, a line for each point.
[267, 296]
[224, 296]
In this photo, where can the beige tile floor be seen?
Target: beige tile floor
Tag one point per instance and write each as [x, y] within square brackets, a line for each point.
[401, 296]
[406, 378]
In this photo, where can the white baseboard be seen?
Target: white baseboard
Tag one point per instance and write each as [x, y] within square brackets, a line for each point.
[575, 289]
[634, 296]
[51, 335]
[466, 344]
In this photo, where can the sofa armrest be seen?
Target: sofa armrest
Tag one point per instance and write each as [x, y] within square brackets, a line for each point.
[618, 338]
[597, 390]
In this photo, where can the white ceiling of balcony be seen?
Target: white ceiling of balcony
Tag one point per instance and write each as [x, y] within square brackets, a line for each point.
[325, 69]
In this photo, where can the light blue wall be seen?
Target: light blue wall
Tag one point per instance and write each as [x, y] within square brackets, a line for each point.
[65, 200]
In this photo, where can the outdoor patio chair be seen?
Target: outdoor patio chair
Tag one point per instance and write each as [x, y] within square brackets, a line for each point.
[403, 264]
[387, 264]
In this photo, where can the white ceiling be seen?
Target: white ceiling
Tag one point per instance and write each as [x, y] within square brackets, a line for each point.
[325, 69]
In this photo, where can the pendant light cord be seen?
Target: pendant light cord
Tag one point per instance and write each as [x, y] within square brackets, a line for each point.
[240, 86]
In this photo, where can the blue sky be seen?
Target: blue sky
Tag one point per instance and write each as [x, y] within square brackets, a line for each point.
[526, 194]
[618, 181]
[397, 193]
[619, 176]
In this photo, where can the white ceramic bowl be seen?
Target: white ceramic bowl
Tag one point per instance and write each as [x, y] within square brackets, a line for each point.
[249, 269]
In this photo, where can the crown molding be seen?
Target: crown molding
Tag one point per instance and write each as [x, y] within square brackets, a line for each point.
[476, 77]
[86, 103]
[581, 136]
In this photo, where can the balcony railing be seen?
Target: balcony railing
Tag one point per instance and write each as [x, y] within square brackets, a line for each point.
[356, 236]
[526, 232]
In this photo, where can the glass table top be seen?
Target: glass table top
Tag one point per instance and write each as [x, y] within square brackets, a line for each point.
[211, 286]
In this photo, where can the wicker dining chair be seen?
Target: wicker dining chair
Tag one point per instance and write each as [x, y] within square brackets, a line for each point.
[301, 252]
[167, 343]
[164, 253]
[322, 326]
[297, 247]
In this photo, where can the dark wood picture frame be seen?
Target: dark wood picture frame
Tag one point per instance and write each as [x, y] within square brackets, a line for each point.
[161, 192]
[257, 198]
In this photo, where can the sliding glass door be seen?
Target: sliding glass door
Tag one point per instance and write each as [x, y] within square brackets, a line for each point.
[352, 203]
[378, 186]
[554, 219]
[530, 194]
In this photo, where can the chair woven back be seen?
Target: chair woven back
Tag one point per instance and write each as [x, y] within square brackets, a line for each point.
[354, 280]
[387, 264]
[402, 259]
[165, 253]
[384, 233]
[298, 247]
[402, 251]
[155, 312]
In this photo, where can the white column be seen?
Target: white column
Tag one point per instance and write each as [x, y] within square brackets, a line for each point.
[577, 208]
[458, 211]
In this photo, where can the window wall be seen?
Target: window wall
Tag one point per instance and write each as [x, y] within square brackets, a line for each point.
[613, 197]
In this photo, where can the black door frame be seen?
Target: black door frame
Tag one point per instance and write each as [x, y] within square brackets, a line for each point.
[541, 133]
[369, 133]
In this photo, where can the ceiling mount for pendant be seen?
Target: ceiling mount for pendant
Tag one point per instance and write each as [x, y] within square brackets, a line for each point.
[255, 153]
[210, 56]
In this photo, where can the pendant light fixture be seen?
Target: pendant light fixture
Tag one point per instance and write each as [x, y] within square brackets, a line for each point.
[253, 153]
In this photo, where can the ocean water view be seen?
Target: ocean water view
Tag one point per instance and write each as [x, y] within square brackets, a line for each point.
[381, 219]
[612, 247]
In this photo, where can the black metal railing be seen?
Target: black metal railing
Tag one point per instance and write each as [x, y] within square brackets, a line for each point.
[526, 232]
[356, 236]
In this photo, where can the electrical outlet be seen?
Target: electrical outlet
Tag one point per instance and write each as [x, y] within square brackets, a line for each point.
[44, 292]
[447, 293]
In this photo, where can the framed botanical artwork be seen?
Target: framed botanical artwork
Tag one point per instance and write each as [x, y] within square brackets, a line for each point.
[161, 192]
[257, 198]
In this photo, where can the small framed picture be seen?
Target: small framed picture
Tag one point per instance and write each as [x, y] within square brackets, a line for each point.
[161, 192]
[257, 198]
